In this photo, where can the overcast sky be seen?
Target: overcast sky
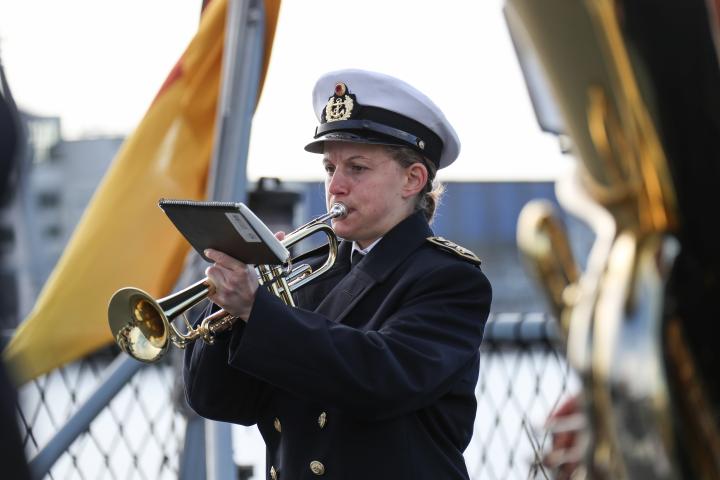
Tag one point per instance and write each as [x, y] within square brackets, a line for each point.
[98, 64]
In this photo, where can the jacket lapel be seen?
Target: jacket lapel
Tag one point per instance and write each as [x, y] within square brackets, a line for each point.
[383, 259]
[318, 289]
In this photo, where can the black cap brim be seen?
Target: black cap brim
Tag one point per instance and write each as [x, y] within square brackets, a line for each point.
[318, 145]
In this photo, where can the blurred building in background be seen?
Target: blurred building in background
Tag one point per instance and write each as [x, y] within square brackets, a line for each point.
[58, 178]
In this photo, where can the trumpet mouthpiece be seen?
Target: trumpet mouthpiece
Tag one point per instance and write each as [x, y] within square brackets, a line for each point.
[338, 210]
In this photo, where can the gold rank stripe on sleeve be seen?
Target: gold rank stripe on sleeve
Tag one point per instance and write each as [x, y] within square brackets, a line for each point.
[454, 248]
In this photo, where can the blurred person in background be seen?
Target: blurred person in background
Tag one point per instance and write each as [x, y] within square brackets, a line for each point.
[12, 455]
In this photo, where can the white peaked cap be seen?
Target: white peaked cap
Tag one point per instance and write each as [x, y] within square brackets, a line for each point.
[369, 107]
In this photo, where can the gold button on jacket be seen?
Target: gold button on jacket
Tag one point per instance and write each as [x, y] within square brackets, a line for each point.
[317, 467]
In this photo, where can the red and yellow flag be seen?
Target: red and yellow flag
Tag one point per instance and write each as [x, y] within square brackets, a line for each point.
[123, 238]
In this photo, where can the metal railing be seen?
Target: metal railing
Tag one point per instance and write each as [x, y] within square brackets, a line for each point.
[139, 431]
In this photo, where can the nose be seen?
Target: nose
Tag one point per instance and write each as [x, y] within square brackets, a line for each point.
[337, 184]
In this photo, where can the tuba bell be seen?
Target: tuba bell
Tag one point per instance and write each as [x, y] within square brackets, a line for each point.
[142, 326]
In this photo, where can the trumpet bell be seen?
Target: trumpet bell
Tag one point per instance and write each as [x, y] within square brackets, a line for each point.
[138, 324]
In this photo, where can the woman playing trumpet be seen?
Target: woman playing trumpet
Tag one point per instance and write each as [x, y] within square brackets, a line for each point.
[373, 374]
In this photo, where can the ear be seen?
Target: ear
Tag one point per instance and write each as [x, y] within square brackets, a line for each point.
[416, 176]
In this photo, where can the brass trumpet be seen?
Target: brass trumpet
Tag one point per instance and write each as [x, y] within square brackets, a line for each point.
[142, 326]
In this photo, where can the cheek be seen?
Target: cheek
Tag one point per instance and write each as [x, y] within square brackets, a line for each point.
[382, 190]
[375, 202]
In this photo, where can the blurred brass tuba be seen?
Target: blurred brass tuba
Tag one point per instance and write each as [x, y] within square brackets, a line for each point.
[142, 326]
[637, 86]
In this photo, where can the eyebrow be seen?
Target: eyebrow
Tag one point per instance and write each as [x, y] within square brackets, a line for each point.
[354, 157]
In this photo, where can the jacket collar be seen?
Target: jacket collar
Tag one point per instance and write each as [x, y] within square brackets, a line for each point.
[401, 241]
[383, 259]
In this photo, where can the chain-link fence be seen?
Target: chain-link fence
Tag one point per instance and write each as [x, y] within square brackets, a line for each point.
[522, 379]
[140, 433]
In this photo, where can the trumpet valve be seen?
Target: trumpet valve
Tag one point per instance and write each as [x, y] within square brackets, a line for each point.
[299, 273]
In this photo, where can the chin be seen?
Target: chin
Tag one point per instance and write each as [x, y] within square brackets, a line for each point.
[341, 230]
[344, 233]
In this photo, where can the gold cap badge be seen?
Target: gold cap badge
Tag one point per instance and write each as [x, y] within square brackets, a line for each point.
[340, 105]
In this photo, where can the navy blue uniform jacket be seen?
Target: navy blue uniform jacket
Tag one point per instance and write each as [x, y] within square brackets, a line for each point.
[372, 377]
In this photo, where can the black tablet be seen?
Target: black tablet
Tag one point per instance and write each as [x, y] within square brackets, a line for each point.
[231, 228]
